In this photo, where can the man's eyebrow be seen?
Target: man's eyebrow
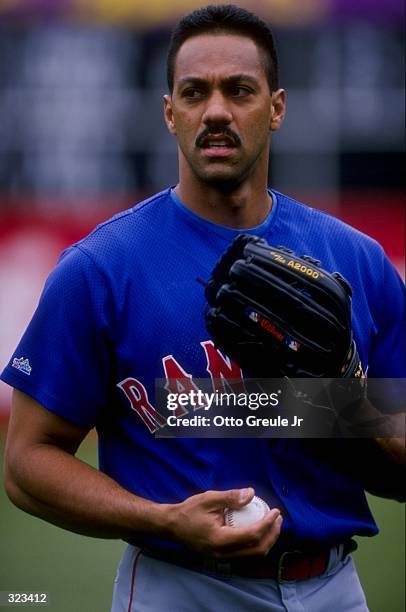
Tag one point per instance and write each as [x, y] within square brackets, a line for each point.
[229, 80]
[237, 78]
[191, 80]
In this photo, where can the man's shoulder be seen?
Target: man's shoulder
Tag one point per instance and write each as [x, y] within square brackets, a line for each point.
[120, 240]
[321, 225]
[130, 226]
[128, 220]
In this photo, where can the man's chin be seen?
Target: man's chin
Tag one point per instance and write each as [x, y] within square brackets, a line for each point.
[221, 180]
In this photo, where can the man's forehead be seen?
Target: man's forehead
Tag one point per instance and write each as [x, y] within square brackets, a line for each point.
[218, 56]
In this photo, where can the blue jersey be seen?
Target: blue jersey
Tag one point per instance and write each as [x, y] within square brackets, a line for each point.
[123, 307]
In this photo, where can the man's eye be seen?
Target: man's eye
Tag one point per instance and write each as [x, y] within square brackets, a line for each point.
[240, 92]
[193, 94]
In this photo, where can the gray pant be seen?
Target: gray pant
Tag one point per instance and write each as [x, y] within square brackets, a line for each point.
[144, 584]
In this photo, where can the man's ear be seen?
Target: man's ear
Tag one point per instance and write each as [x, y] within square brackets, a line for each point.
[168, 114]
[278, 109]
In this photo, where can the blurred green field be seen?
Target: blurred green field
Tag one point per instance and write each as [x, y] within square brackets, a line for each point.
[78, 572]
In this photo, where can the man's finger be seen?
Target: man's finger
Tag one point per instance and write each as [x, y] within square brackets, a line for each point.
[233, 498]
[258, 544]
[235, 538]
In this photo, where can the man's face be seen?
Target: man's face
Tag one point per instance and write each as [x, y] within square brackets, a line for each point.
[221, 109]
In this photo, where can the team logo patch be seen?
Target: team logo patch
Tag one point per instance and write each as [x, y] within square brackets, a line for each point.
[22, 364]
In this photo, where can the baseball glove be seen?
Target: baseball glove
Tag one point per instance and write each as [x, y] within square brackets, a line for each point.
[277, 314]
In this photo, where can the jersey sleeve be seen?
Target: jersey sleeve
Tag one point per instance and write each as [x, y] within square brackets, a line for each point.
[387, 357]
[63, 359]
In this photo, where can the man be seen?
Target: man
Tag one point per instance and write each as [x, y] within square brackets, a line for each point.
[123, 308]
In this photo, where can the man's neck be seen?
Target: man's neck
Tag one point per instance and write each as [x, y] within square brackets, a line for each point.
[243, 208]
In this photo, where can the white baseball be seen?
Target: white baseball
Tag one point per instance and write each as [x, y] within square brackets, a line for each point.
[254, 511]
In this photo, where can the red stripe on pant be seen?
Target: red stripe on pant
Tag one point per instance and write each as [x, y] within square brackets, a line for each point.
[130, 602]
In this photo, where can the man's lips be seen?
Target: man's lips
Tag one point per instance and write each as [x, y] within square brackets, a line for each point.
[219, 145]
[218, 151]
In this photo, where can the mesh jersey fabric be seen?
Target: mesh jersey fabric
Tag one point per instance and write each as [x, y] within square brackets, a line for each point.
[124, 305]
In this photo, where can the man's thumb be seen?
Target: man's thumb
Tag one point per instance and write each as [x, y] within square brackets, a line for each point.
[240, 497]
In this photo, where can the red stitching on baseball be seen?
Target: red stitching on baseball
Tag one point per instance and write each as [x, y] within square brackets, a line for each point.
[228, 517]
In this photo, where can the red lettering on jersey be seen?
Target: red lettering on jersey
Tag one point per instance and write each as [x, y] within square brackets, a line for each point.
[222, 369]
[137, 395]
[178, 381]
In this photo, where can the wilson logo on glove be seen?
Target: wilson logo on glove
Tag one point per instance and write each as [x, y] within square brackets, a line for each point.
[272, 329]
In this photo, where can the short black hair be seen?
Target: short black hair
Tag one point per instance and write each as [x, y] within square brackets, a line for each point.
[219, 18]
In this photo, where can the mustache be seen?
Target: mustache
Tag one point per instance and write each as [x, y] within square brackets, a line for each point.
[226, 131]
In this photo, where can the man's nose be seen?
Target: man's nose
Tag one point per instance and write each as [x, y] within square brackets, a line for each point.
[217, 111]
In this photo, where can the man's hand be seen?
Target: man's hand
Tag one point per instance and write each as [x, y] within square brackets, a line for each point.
[198, 523]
